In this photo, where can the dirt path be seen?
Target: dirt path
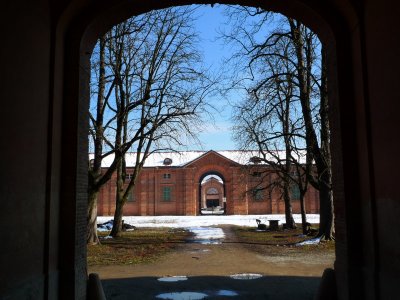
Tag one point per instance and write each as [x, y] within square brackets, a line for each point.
[208, 268]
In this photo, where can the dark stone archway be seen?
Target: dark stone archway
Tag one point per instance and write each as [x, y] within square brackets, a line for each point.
[334, 24]
[45, 53]
[105, 15]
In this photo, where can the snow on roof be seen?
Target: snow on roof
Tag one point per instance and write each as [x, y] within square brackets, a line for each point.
[182, 158]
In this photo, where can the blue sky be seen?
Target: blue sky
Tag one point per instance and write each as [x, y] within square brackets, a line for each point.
[216, 137]
[216, 133]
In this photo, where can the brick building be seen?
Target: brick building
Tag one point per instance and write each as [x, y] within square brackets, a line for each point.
[198, 182]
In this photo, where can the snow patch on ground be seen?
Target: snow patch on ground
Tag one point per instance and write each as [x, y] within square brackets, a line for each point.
[200, 221]
[314, 241]
[207, 235]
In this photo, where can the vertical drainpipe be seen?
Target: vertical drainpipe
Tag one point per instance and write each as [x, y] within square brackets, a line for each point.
[270, 190]
[109, 198]
[155, 191]
[184, 174]
[225, 196]
[245, 194]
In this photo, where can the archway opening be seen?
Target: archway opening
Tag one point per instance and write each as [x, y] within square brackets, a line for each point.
[211, 200]
[212, 194]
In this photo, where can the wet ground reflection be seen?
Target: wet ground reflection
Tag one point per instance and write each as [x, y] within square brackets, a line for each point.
[212, 287]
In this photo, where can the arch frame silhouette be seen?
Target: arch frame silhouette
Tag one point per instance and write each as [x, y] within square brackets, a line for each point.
[336, 24]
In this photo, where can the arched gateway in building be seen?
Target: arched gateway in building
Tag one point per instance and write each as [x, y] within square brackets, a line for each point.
[212, 194]
[200, 183]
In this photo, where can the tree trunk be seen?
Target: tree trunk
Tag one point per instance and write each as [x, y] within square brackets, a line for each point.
[92, 237]
[326, 224]
[326, 197]
[95, 168]
[117, 225]
[303, 213]
[321, 154]
[290, 224]
[119, 202]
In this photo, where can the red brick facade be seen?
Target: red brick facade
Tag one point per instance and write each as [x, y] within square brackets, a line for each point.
[182, 190]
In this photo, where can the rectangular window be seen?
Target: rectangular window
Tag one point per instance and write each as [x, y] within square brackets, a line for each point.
[256, 174]
[258, 195]
[294, 192]
[167, 176]
[166, 193]
[131, 197]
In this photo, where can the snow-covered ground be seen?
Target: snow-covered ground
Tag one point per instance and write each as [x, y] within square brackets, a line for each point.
[314, 241]
[207, 235]
[199, 221]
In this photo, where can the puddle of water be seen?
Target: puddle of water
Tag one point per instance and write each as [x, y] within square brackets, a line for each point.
[246, 276]
[196, 295]
[172, 278]
[207, 235]
[200, 250]
[182, 296]
[227, 293]
[207, 242]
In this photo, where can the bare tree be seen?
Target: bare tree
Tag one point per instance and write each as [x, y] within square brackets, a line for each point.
[285, 78]
[159, 87]
[98, 126]
[318, 148]
[103, 115]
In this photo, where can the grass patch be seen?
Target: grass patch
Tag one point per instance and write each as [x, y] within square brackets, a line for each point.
[142, 245]
[283, 238]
